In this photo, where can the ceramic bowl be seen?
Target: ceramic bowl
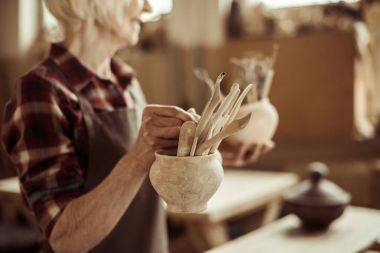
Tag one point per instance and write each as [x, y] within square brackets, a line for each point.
[261, 127]
[317, 202]
[186, 183]
[315, 217]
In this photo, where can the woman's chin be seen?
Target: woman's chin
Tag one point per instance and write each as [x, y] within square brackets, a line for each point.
[130, 41]
[134, 41]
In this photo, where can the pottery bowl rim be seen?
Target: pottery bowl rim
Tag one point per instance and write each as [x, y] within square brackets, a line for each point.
[170, 155]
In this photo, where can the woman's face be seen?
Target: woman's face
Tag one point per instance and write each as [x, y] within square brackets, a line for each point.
[129, 32]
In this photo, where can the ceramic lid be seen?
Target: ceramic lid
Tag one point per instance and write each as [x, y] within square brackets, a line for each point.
[317, 190]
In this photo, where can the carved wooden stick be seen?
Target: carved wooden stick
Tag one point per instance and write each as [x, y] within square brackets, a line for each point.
[238, 103]
[207, 112]
[233, 127]
[221, 110]
[222, 121]
[233, 112]
[186, 138]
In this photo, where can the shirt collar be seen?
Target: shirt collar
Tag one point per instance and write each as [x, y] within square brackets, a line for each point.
[123, 72]
[79, 76]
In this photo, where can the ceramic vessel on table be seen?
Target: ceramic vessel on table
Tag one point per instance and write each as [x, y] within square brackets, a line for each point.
[186, 183]
[317, 201]
[261, 127]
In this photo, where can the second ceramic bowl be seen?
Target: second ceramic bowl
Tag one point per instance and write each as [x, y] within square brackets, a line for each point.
[261, 127]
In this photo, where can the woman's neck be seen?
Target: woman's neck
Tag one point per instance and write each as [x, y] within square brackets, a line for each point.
[93, 48]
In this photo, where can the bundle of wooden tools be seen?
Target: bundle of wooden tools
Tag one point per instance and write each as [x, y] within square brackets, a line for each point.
[216, 123]
[256, 68]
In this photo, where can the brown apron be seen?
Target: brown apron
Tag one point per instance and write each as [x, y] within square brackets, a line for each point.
[142, 228]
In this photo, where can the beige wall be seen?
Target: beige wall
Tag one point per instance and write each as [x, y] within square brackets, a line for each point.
[20, 22]
[313, 85]
[9, 23]
[373, 19]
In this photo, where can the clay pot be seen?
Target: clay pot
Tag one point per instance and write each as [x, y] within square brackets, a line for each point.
[261, 127]
[186, 183]
[317, 201]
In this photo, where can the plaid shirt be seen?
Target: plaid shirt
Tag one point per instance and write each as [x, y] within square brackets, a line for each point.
[44, 131]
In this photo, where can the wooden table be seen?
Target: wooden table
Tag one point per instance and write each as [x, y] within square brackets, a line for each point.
[242, 192]
[355, 231]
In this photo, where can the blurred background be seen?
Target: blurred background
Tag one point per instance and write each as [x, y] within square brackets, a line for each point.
[326, 86]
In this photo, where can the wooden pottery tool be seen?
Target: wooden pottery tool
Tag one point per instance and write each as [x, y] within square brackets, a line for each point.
[230, 129]
[207, 112]
[232, 113]
[186, 138]
[234, 92]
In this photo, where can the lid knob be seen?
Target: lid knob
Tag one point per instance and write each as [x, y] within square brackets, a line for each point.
[318, 170]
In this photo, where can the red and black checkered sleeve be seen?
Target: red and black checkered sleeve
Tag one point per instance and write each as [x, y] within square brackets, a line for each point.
[37, 135]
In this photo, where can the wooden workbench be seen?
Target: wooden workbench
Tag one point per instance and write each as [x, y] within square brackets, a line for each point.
[355, 231]
[242, 192]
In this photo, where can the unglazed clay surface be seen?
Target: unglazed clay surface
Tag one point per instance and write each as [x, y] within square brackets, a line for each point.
[261, 127]
[186, 183]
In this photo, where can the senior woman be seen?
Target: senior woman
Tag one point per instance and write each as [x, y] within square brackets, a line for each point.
[82, 141]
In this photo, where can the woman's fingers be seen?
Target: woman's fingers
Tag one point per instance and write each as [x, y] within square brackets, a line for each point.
[240, 154]
[158, 121]
[161, 126]
[259, 149]
[233, 154]
[165, 143]
[165, 132]
[169, 111]
[268, 146]
[241, 150]
[255, 153]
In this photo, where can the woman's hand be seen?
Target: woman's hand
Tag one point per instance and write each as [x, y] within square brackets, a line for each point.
[242, 154]
[160, 128]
